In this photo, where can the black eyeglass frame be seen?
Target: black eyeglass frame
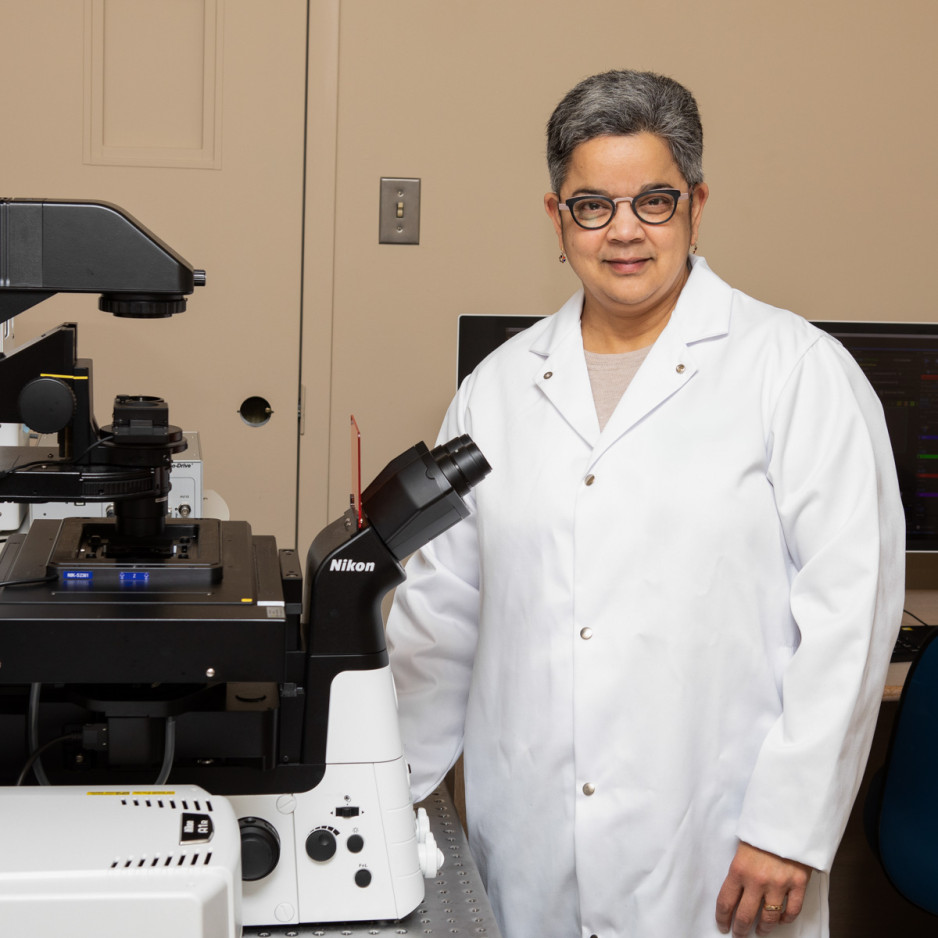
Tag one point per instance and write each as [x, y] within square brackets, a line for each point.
[675, 194]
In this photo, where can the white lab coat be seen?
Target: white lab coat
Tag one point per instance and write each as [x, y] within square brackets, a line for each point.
[689, 614]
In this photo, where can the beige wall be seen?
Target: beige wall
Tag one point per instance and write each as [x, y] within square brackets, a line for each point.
[820, 149]
[820, 143]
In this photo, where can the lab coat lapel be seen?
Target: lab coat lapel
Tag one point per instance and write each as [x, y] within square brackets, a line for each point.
[560, 371]
[702, 312]
[669, 367]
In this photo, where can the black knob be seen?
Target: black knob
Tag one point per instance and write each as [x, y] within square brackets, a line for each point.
[355, 843]
[363, 878]
[260, 848]
[320, 845]
[47, 404]
[142, 305]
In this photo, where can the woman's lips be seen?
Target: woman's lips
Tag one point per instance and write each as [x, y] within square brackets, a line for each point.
[627, 265]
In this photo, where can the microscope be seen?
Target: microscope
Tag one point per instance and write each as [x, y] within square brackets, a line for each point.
[147, 659]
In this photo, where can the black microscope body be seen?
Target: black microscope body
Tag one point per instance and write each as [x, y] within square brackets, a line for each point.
[142, 650]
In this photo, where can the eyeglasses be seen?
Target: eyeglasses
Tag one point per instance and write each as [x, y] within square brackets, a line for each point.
[654, 207]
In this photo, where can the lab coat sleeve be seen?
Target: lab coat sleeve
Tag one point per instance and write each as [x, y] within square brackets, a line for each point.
[432, 632]
[830, 462]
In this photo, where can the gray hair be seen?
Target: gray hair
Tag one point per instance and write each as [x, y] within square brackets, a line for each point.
[621, 103]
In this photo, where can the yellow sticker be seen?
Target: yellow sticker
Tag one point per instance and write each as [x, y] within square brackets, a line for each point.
[124, 793]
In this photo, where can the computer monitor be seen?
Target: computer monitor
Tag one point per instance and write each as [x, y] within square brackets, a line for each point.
[899, 359]
[480, 334]
[901, 362]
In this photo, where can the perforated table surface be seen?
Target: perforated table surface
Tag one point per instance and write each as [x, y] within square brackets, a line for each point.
[455, 904]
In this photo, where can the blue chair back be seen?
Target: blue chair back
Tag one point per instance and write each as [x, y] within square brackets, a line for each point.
[905, 809]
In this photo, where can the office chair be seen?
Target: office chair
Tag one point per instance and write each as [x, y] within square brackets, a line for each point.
[901, 810]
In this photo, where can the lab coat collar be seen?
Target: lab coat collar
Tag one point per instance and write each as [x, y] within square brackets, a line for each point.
[703, 308]
[702, 312]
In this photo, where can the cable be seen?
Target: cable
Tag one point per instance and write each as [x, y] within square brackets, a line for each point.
[33, 733]
[169, 751]
[71, 461]
[52, 577]
[914, 616]
[35, 750]
[26, 465]
[34, 757]
[88, 449]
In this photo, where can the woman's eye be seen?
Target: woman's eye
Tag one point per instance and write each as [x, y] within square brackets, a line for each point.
[655, 203]
[592, 207]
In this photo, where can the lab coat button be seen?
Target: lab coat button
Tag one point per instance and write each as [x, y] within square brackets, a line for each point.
[590, 479]
[680, 369]
[548, 374]
[586, 634]
[589, 788]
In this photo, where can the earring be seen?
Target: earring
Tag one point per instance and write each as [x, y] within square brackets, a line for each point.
[562, 258]
[693, 248]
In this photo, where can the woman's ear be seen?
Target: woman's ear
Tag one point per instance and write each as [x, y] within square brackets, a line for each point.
[551, 205]
[701, 194]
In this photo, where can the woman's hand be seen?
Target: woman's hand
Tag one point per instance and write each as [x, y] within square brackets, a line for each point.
[761, 889]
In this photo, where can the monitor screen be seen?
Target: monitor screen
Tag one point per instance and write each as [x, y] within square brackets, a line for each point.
[899, 359]
[901, 362]
[480, 334]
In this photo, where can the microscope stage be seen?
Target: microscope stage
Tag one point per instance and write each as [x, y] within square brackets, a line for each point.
[214, 611]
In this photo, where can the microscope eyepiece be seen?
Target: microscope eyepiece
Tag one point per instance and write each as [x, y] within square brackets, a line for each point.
[420, 494]
[462, 463]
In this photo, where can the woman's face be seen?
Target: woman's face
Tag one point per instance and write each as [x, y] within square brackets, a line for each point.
[632, 272]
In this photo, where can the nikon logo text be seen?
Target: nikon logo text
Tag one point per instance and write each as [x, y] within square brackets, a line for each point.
[352, 566]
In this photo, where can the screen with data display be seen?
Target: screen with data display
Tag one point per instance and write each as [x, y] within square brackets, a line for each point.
[899, 359]
[901, 362]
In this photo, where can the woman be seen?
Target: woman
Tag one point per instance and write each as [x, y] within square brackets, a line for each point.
[662, 637]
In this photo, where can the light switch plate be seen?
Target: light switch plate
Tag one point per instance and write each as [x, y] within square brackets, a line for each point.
[399, 220]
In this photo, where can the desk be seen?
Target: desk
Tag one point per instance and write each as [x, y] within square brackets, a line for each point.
[923, 604]
[895, 678]
[455, 903]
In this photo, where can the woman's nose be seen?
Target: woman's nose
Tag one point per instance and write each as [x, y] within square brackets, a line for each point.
[625, 224]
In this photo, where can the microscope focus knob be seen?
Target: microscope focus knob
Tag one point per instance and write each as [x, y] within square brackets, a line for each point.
[47, 404]
[260, 848]
[321, 845]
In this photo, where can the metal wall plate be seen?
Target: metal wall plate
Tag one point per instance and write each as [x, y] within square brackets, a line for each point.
[399, 221]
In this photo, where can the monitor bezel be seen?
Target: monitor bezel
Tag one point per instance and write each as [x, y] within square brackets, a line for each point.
[872, 328]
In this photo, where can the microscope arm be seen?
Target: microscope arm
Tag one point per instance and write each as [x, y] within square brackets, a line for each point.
[61, 246]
